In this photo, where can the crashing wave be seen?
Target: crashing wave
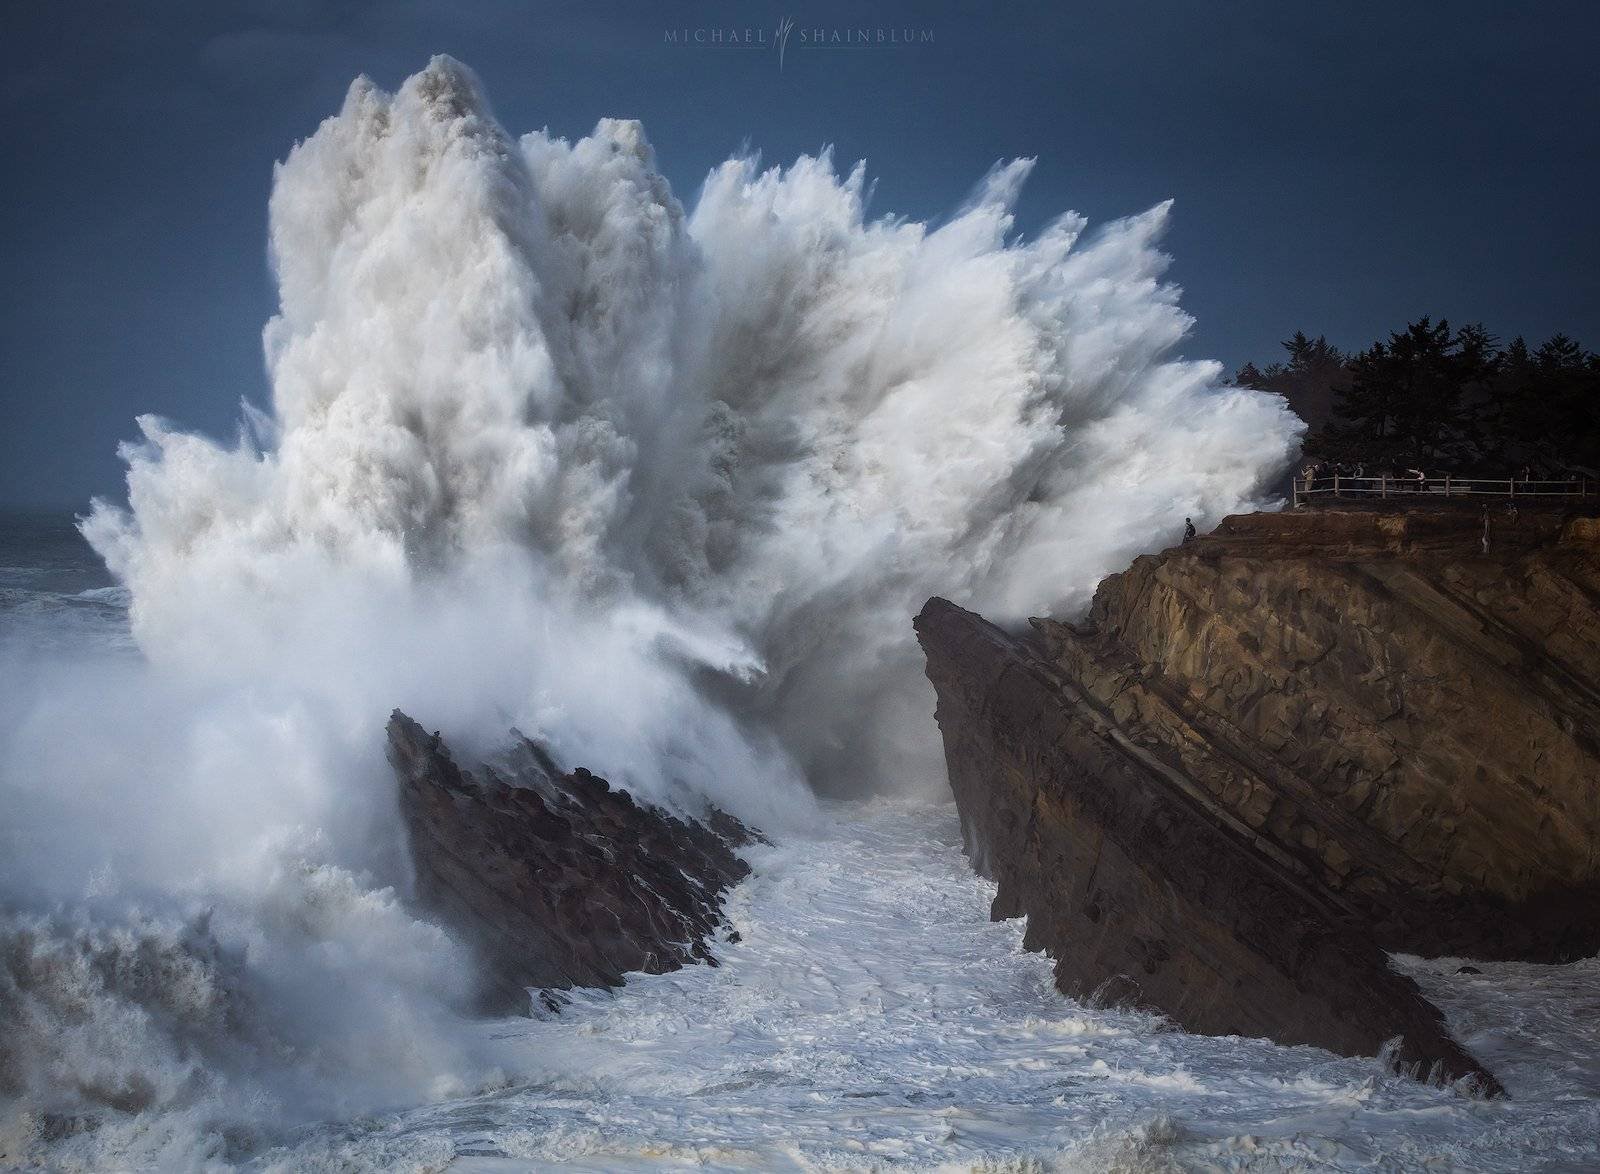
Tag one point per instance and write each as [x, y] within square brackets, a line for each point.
[660, 487]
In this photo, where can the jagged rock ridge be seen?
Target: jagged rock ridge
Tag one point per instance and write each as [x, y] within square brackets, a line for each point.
[555, 879]
[1273, 753]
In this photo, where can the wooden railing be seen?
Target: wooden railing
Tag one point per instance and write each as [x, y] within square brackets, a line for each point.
[1337, 485]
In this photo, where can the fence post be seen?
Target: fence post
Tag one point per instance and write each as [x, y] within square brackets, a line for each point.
[1383, 485]
[1447, 484]
[1336, 485]
[1511, 487]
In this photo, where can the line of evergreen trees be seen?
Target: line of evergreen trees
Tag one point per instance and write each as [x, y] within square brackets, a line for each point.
[1443, 399]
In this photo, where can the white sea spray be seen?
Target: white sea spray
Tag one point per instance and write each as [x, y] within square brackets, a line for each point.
[661, 487]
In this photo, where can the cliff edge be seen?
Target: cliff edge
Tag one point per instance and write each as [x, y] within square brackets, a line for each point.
[1273, 753]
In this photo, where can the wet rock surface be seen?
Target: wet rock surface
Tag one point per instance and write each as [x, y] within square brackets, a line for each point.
[1273, 753]
[556, 879]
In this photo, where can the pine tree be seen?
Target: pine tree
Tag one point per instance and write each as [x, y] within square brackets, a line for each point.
[1310, 379]
[1446, 400]
[1410, 399]
[1546, 406]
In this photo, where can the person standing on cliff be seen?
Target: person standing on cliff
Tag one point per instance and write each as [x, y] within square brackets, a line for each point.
[1188, 529]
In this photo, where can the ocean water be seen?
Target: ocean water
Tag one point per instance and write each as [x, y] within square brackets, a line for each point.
[55, 592]
[870, 1017]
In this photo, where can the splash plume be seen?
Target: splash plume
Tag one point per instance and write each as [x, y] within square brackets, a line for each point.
[660, 487]
[749, 439]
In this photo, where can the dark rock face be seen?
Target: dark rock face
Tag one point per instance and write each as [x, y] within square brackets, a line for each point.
[1411, 720]
[1380, 725]
[1277, 751]
[1145, 893]
[556, 880]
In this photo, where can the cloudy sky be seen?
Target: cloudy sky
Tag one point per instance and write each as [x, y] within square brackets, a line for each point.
[1338, 167]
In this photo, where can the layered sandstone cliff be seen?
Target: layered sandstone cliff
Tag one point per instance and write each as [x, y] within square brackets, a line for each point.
[1273, 753]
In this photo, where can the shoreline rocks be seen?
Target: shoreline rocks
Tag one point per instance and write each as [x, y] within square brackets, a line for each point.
[1143, 895]
[1272, 754]
[553, 878]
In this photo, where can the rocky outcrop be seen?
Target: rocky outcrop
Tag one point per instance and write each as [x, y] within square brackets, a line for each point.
[555, 879]
[1275, 752]
[1413, 720]
[1143, 894]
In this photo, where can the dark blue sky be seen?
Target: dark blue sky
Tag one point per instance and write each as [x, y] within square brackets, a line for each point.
[1338, 167]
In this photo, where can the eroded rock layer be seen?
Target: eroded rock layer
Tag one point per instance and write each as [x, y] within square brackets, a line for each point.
[555, 879]
[1144, 891]
[1412, 720]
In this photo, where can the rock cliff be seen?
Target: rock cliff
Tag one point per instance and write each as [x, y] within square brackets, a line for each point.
[1275, 752]
[555, 879]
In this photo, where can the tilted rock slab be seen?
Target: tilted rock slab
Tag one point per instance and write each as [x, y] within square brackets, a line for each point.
[1144, 890]
[554, 879]
[1411, 720]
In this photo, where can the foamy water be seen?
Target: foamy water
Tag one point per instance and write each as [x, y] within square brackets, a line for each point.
[871, 1016]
